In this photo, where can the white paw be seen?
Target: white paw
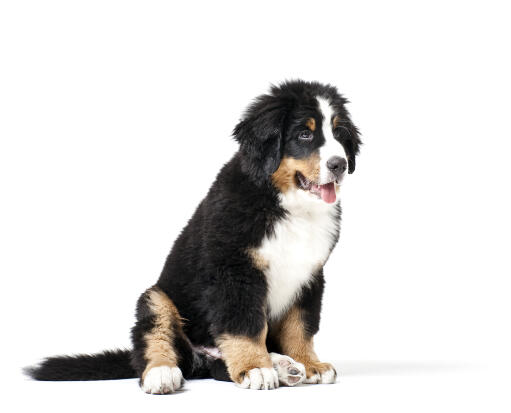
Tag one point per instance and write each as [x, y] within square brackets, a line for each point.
[260, 379]
[327, 377]
[163, 380]
[290, 372]
[314, 379]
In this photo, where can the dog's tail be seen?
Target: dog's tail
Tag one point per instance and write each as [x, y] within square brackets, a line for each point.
[107, 365]
[113, 365]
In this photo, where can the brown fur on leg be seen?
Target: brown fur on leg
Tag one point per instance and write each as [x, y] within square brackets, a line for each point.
[242, 354]
[159, 350]
[294, 341]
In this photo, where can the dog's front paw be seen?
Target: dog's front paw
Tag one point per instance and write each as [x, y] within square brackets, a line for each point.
[263, 378]
[323, 373]
[163, 380]
[290, 372]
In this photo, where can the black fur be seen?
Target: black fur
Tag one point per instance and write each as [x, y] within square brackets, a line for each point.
[208, 274]
[108, 365]
[192, 364]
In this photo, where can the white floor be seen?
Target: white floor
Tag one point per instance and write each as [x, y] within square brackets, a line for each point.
[364, 386]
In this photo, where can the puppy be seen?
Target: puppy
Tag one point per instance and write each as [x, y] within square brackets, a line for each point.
[239, 297]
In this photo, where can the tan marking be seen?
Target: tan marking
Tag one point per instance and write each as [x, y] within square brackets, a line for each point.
[295, 343]
[258, 260]
[311, 124]
[242, 354]
[160, 340]
[284, 177]
[336, 121]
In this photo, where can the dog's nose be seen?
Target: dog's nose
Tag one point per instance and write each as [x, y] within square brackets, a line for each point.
[337, 165]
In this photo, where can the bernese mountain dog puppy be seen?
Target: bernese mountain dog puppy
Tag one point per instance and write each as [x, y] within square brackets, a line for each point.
[239, 297]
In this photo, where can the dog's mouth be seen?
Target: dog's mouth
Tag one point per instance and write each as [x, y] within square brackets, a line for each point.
[326, 192]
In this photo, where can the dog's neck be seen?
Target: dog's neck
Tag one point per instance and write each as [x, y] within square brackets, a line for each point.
[300, 203]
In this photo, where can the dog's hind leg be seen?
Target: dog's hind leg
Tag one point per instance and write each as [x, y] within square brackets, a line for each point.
[162, 355]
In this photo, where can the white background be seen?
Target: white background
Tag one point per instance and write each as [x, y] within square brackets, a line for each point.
[116, 116]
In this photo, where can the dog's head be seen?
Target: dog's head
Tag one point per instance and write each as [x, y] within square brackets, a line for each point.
[299, 137]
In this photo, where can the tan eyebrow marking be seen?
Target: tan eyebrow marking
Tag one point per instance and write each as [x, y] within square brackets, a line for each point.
[311, 124]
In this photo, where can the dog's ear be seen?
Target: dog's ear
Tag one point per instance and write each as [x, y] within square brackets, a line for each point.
[260, 135]
[351, 142]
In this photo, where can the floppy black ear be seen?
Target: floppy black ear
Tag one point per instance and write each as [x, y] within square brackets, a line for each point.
[260, 135]
[351, 142]
[351, 152]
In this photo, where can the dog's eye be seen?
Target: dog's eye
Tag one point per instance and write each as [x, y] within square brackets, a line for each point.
[306, 135]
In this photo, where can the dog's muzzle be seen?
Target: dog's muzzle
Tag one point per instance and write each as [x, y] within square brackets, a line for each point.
[337, 166]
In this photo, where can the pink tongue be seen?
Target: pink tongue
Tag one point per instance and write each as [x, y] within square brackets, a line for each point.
[328, 193]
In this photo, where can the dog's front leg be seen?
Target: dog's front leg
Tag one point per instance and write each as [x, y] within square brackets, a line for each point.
[297, 343]
[295, 333]
[247, 360]
[238, 323]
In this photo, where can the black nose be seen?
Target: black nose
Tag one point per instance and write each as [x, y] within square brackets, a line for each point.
[337, 165]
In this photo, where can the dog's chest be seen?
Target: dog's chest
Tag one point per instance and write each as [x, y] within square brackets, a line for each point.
[297, 249]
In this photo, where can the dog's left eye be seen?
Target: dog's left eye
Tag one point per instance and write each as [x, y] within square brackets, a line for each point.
[306, 135]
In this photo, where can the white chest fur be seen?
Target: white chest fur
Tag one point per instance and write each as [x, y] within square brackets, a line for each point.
[299, 246]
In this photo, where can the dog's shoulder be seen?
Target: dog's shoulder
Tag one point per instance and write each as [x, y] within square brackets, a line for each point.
[238, 212]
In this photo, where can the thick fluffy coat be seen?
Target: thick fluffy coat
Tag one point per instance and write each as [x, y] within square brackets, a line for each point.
[244, 280]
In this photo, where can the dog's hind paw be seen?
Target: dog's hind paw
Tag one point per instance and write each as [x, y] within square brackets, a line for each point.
[290, 372]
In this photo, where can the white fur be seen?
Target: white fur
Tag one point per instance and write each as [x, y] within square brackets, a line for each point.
[328, 376]
[314, 379]
[290, 372]
[332, 147]
[300, 245]
[260, 379]
[163, 380]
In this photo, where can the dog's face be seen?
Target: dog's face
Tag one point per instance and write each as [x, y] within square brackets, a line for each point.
[301, 138]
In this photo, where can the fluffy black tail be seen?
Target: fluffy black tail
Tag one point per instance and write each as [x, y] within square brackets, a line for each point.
[116, 364]
[108, 365]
